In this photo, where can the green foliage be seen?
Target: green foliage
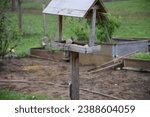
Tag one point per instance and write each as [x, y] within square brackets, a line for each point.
[13, 95]
[104, 29]
[3, 4]
[145, 56]
[135, 18]
[9, 35]
[78, 28]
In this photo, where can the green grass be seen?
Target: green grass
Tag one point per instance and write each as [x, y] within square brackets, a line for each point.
[35, 5]
[135, 18]
[143, 56]
[13, 95]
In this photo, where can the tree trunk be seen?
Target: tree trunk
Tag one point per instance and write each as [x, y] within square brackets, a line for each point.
[20, 15]
[13, 7]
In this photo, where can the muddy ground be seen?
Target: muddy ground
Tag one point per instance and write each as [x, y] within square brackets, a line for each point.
[122, 84]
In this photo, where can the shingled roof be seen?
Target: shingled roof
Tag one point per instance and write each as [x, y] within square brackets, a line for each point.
[75, 8]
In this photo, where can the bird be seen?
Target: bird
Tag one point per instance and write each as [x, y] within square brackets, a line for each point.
[44, 42]
[10, 54]
[69, 41]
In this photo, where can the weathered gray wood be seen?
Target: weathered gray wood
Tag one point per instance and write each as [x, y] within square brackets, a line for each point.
[44, 22]
[136, 69]
[59, 28]
[107, 67]
[75, 8]
[75, 47]
[137, 63]
[92, 29]
[75, 76]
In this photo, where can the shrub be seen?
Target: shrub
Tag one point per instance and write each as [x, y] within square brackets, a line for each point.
[9, 35]
[145, 56]
[104, 29]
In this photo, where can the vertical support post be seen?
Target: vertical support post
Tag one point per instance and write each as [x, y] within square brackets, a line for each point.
[59, 28]
[44, 22]
[75, 76]
[92, 28]
[13, 6]
[20, 15]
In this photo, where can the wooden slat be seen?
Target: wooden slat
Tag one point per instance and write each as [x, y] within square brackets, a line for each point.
[107, 67]
[77, 8]
[135, 63]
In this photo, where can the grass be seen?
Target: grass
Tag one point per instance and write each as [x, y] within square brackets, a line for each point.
[143, 56]
[135, 18]
[13, 95]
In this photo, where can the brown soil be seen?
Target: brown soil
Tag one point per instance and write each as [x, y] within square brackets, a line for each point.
[119, 83]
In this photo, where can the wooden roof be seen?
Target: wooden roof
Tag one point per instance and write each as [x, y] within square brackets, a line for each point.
[75, 8]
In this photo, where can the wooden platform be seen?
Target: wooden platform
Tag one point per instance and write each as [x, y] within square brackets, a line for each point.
[75, 48]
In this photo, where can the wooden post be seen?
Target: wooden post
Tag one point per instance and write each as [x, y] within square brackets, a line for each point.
[59, 28]
[75, 76]
[13, 5]
[92, 28]
[44, 22]
[20, 15]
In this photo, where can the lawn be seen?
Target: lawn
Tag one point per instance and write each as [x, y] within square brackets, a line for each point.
[13, 95]
[135, 18]
[135, 22]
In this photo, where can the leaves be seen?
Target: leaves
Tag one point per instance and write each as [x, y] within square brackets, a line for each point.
[104, 29]
[9, 35]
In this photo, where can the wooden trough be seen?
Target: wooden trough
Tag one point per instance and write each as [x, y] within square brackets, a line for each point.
[121, 47]
[137, 64]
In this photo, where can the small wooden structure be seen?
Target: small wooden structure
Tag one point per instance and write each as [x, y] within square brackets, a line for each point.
[92, 9]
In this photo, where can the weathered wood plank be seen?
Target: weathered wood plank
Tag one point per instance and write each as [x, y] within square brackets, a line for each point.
[75, 47]
[75, 76]
[92, 29]
[136, 63]
[77, 8]
[59, 28]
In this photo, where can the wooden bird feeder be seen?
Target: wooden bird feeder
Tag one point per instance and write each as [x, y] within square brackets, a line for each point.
[91, 9]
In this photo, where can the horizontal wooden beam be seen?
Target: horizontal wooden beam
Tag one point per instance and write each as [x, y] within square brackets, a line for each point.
[75, 47]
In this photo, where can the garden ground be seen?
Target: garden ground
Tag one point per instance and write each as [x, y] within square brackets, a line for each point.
[118, 83]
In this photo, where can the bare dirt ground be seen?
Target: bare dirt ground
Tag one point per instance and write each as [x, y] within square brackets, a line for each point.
[119, 83]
